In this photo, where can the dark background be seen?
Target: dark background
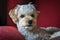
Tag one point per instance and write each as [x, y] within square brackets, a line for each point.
[3, 12]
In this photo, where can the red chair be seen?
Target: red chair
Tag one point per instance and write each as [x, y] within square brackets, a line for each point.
[49, 16]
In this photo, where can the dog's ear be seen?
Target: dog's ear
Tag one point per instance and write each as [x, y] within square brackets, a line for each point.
[13, 14]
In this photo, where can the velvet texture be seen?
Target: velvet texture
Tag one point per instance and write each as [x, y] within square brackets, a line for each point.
[50, 13]
[10, 33]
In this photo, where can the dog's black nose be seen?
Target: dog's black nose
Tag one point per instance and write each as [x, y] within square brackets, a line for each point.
[30, 21]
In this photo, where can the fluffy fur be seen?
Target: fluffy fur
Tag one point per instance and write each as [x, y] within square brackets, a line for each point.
[24, 16]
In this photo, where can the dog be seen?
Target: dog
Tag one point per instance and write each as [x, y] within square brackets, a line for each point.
[25, 17]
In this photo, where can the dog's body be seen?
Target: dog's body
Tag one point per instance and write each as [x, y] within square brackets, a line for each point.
[24, 16]
[34, 34]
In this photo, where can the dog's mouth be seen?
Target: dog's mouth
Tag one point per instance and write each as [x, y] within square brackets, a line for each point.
[29, 25]
[28, 28]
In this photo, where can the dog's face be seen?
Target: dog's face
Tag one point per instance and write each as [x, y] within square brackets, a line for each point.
[27, 20]
[24, 15]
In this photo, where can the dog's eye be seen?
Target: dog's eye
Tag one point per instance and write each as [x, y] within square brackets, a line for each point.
[22, 16]
[32, 15]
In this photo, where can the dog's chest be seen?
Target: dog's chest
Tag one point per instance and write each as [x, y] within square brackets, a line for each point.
[28, 35]
[35, 34]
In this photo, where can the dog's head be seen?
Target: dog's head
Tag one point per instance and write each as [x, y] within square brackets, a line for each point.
[24, 15]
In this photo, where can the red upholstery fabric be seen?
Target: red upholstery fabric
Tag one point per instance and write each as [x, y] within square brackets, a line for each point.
[9, 33]
[50, 12]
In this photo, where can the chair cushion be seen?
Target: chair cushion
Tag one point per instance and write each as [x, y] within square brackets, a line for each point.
[9, 33]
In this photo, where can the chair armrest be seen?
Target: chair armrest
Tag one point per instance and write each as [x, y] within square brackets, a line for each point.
[10, 33]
